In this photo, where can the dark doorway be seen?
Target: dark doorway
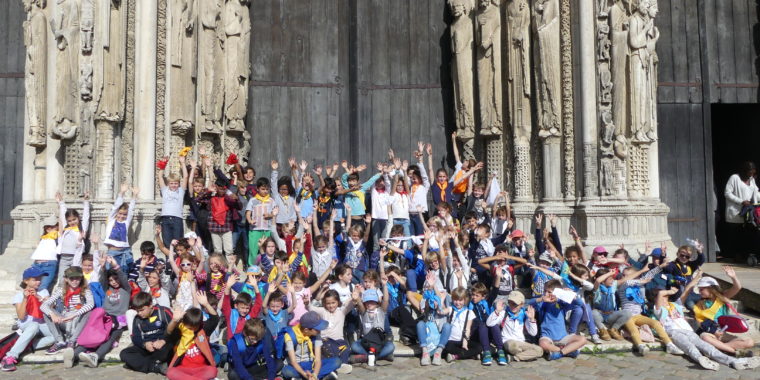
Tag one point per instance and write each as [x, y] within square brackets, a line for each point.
[735, 138]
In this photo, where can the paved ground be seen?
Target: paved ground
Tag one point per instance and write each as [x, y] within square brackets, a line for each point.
[656, 365]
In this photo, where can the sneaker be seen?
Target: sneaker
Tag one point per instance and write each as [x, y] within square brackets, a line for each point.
[357, 359]
[573, 354]
[487, 358]
[437, 358]
[595, 339]
[88, 359]
[345, 369]
[425, 360]
[673, 349]
[706, 363]
[450, 358]
[640, 350]
[752, 362]
[160, 368]
[554, 355]
[405, 340]
[68, 357]
[331, 376]
[8, 364]
[390, 357]
[501, 358]
[55, 348]
[605, 334]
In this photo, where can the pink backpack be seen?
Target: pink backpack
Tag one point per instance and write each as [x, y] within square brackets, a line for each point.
[96, 330]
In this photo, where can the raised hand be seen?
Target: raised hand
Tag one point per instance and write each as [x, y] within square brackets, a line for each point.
[404, 165]
[729, 271]
[539, 220]
[531, 313]
[429, 149]
[303, 165]
[292, 162]
[552, 220]
[135, 192]
[58, 197]
[391, 155]
[397, 163]
[201, 297]
[420, 146]
[318, 170]
[123, 189]
[573, 232]
[274, 164]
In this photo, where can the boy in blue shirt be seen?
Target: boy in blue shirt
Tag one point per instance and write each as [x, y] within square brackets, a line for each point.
[252, 353]
[555, 340]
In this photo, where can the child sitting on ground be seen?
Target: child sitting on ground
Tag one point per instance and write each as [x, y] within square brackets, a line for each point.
[252, 353]
[304, 350]
[374, 339]
[149, 352]
[482, 310]
[77, 302]
[552, 311]
[192, 358]
[460, 344]
[514, 319]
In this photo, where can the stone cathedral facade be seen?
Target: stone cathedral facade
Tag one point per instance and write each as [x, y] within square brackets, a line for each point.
[567, 120]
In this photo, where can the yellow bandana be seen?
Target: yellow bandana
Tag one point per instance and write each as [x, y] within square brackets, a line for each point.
[262, 199]
[186, 339]
[52, 235]
[75, 229]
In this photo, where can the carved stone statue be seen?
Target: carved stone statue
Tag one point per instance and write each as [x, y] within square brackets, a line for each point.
[489, 67]
[85, 81]
[211, 65]
[86, 25]
[640, 66]
[619, 16]
[182, 65]
[35, 33]
[462, 35]
[548, 80]
[652, 36]
[65, 26]
[113, 41]
[518, 20]
[237, 29]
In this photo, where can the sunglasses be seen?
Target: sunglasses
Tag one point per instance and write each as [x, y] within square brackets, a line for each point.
[186, 264]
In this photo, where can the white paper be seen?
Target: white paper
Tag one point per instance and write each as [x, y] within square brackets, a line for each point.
[564, 295]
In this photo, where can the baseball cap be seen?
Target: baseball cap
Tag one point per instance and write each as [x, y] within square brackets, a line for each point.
[705, 282]
[50, 220]
[253, 270]
[191, 235]
[33, 272]
[370, 295]
[311, 320]
[600, 249]
[545, 256]
[516, 297]
[517, 234]
[657, 252]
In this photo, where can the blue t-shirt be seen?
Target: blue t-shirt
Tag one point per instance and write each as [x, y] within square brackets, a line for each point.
[552, 316]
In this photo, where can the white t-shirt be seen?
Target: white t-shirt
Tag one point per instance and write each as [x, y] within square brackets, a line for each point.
[458, 322]
[46, 250]
[400, 206]
[172, 202]
[19, 298]
[380, 203]
[343, 292]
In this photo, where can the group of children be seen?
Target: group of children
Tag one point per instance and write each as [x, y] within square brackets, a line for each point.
[302, 276]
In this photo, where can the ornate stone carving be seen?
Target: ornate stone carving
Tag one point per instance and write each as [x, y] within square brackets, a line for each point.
[489, 67]
[519, 92]
[85, 81]
[462, 36]
[653, 34]
[113, 45]
[65, 27]
[640, 26]
[568, 127]
[237, 29]
[618, 21]
[127, 131]
[161, 82]
[182, 65]
[211, 66]
[546, 13]
[522, 173]
[35, 40]
[86, 25]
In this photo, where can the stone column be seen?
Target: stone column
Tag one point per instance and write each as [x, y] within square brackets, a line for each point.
[145, 102]
[552, 173]
[588, 99]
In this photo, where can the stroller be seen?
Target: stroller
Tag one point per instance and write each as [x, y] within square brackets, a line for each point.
[751, 215]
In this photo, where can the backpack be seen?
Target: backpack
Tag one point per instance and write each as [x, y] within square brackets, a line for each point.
[98, 295]
[9, 341]
[279, 342]
[96, 330]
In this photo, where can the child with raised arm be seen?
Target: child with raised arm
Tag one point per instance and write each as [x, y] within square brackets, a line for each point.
[260, 213]
[172, 198]
[45, 256]
[71, 237]
[192, 358]
[419, 185]
[514, 319]
[552, 312]
[117, 228]
[373, 337]
[399, 197]
[435, 308]
[671, 315]
[355, 193]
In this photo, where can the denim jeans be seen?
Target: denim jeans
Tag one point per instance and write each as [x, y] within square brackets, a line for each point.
[328, 365]
[387, 349]
[414, 282]
[405, 223]
[29, 331]
[581, 314]
[123, 256]
[171, 229]
[417, 228]
[49, 268]
[445, 333]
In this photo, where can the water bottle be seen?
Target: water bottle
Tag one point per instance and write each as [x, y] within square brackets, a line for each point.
[371, 357]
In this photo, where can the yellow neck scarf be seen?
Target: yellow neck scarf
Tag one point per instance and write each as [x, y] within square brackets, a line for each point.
[75, 229]
[262, 199]
[52, 235]
[186, 339]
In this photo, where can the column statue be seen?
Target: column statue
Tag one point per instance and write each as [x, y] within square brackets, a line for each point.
[546, 13]
[65, 26]
[489, 67]
[462, 35]
[182, 65]
[640, 91]
[35, 40]
[237, 29]
[518, 20]
[211, 65]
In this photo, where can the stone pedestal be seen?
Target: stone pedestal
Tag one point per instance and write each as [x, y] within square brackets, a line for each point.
[632, 223]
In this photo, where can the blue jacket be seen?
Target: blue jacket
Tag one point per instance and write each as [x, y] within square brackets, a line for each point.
[252, 355]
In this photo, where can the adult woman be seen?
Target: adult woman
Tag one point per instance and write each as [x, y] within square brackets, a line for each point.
[741, 191]
[714, 304]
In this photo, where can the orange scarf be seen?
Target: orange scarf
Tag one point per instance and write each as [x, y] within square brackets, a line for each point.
[443, 190]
